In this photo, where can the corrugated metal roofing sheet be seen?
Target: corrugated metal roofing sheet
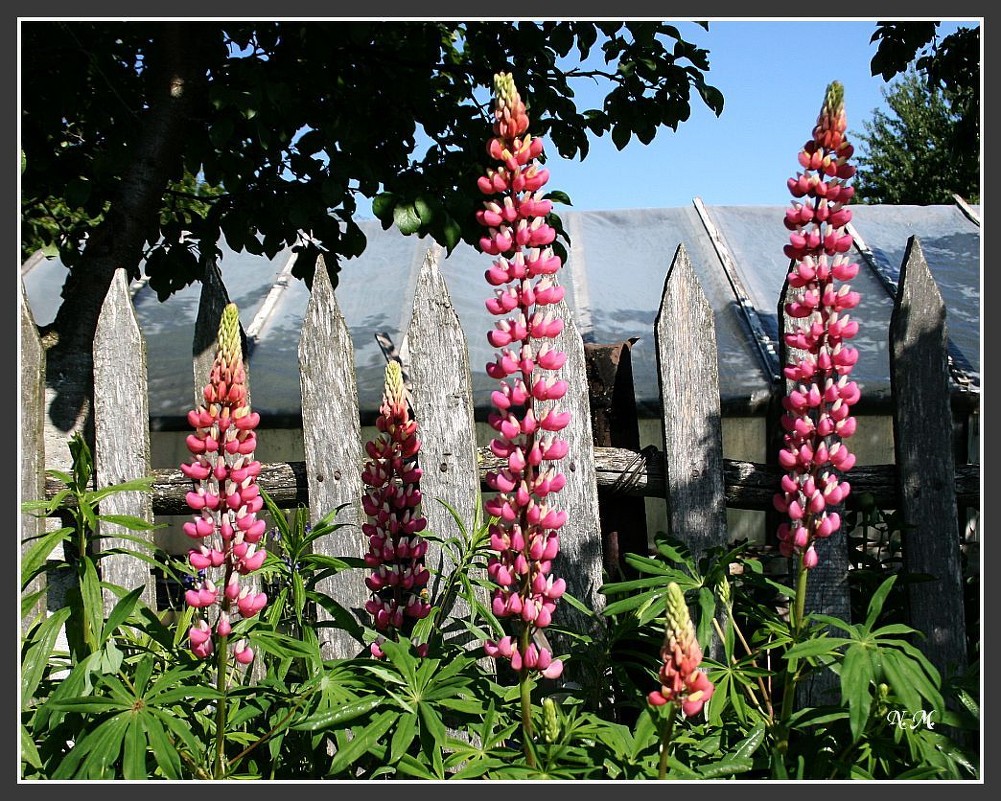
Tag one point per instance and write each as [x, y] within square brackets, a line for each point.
[614, 277]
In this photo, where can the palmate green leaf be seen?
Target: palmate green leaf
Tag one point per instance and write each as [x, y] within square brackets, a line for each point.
[401, 658]
[185, 693]
[363, 740]
[95, 752]
[37, 653]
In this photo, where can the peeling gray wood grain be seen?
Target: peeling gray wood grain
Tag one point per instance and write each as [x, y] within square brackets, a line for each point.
[121, 437]
[579, 561]
[922, 433]
[332, 442]
[32, 442]
[685, 336]
[442, 401]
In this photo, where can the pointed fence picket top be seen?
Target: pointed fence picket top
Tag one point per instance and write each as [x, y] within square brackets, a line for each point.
[827, 590]
[922, 434]
[442, 400]
[332, 440]
[580, 560]
[32, 443]
[685, 337]
[121, 438]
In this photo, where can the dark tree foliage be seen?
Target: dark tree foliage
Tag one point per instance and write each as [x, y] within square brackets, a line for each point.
[909, 155]
[945, 74]
[288, 125]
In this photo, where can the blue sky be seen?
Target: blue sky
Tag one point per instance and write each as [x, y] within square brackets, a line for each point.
[773, 75]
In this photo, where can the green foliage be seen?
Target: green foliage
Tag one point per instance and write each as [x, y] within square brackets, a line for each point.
[134, 704]
[929, 146]
[915, 154]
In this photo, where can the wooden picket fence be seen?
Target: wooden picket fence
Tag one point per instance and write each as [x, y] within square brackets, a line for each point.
[689, 472]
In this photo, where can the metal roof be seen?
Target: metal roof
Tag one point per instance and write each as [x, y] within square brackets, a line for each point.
[614, 277]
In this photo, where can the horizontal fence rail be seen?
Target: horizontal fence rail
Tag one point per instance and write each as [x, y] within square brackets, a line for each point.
[619, 471]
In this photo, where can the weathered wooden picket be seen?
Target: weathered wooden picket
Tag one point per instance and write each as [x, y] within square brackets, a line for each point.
[689, 473]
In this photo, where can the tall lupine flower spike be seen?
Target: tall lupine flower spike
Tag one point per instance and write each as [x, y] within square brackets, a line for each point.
[525, 537]
[817, 418]
[392, 502]
[682, 681]
[225, 499]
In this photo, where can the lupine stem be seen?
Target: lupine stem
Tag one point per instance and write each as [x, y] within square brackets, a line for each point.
[666, 732]
[222, 711]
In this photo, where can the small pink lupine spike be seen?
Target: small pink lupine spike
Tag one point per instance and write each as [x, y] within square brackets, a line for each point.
[817, 421]
[682, 681]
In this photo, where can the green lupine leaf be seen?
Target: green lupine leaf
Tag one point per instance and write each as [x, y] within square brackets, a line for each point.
[746, 747]
[707, 611]
[913, 673]
[132, 485]
[35, 558]
[362, 741]
[856, 679]
[816, 716]
[99, 751]
[409, 766]
[130, 522]
[819, 646]
[403, 661]
[38, 651]
[163, 749]
[917, 656]
[93, 601]
[121, 612]
[406, 730]
[432, 721]
[181, 729]
[29, 753]
[89, 703]
[194, 692]
[877, 601]
[726, 767]
[900, 685]
[334, 718]
[280, 645]
[134, 753]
